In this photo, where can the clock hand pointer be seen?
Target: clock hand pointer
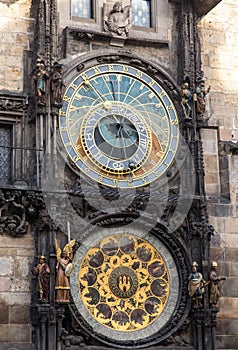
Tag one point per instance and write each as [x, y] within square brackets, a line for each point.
[113, 90]
[117, 120]
[114, 144]
[123, 144]
[88, 83]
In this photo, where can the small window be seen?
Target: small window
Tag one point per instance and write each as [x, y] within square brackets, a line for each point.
[5, 153]
[141, 13]
[81, 9]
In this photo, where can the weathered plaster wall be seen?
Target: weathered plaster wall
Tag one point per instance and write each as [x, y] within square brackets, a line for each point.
[219, 39]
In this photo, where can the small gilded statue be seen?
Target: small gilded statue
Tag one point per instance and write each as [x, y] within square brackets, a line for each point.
[187, 100]
[118, 20]
[56, 84]
[42, 271]
[64, 258]
[40, 76]
[196, 285]
[214, 284]
[200, 95]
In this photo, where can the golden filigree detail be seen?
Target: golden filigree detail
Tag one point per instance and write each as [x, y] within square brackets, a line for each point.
[124, 282]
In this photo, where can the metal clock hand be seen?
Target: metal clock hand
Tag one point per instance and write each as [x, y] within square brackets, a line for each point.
[114, 144]
[123, 142]
[117, 120]
[88, 83]
[113, 90]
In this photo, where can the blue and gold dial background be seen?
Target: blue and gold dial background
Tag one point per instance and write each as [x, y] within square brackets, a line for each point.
[118, 125]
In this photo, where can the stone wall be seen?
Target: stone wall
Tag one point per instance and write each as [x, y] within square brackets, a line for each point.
[219, 39]
[15, 34]
[15, 261]
[15, 253]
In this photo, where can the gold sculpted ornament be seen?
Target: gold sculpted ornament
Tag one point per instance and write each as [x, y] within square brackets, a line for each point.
[124, 282]
[64, 258]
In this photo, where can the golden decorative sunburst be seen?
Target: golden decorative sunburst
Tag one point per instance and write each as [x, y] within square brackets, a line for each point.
[124, 282]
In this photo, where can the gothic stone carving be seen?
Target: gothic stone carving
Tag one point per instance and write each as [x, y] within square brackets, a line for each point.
[16, 210]
[118, 20]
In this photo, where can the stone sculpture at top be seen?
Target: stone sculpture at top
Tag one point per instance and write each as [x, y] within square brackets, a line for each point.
[118, 20]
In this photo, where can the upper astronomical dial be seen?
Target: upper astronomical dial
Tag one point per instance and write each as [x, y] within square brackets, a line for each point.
[119, 126]
[115, 138]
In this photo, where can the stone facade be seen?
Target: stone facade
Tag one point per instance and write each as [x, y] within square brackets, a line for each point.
[218, 32]
[16, 254]
[16, 34]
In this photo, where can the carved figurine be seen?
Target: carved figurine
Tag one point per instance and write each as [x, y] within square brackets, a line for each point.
[118, 21]
[40, 75]
[62, 285]
[57, 85]
[196, 286]
[42, 271]
[214, 284]
[187, 100]
[69, 339]
[201, 93]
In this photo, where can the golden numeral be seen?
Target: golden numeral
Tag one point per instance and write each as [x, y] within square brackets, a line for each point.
[96, 70]
[66, 98]
[75, 158]
[153, 162]
[125, 69]
[68, 144]
[119, 77]
[78, 97]
[111, 67]
[73, 86]
[100, 177]
[175, 122]
[84, 76]
[159, 154]
[139, 74]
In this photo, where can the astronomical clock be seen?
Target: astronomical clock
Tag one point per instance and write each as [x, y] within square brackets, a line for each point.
[118, 124]
[118, 111]
[120, 129]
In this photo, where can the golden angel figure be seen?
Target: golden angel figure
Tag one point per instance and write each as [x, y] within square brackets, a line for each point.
[64, 257]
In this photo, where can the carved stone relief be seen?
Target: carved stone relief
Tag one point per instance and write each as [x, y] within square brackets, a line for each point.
[117, 20]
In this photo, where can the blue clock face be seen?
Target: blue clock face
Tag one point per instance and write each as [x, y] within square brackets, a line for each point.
[119, 126]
